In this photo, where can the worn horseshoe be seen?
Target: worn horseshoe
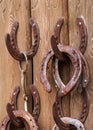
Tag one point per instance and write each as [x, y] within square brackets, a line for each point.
[58, 120]
[43, 71]
[71, 121]
[83, 34]
[57, 29]
[13, 106]
[14, 98]
[76, 61]
[60, 123]
[37, 104]
[26, 118]
[36, 110]
[85, 67]
[85, 106]
[12, 46]
[16, 121]
[83, 37]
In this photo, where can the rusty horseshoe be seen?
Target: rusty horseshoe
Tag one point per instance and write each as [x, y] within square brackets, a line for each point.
[11, 108]
[83, 37]
[85, 67]
[25, 117]
[76, 61]
[12, 46]
[71, 121]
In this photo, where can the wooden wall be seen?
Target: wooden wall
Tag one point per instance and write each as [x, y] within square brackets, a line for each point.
[46, 14]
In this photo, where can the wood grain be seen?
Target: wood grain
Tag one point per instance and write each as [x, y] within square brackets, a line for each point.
[46, 13]
[82, 8]
[11, 10]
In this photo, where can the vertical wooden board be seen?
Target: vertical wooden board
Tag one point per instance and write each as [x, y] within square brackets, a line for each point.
[46, 14]
[10, 11]
[82, 8]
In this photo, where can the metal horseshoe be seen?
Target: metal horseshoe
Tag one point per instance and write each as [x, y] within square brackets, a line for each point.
[65, 122]
[36, 110]
[12, 46]
[76, 61]
[85, 67]
[25, 117]
[37, 103]
[85, 106]
[83, 37]
[71, 121]
[83, 34]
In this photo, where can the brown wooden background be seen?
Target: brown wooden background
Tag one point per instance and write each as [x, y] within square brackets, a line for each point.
[46, 13]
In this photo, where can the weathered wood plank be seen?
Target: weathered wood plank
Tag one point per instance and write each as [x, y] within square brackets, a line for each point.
[46, 13]
[11, 10]
[82, 8]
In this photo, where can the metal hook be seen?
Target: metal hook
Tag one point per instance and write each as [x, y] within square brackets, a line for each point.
[23, 80]
[26, 64]
[12, 46]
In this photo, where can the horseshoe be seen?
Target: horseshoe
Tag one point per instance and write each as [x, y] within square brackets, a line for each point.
[13, 106]
[74, 122]
[57, 29]
[16, 121]
[58, 120]
[85, 106]
[37, 104]
[43, 70]
[86, 71]
[26, 118]
[14, 98]
[36, 110]
[83, 34]
[86, 74]
[76, 61]
[83, 37]
[58, 111]
[12, 46]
